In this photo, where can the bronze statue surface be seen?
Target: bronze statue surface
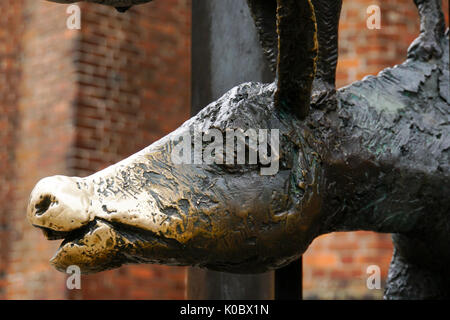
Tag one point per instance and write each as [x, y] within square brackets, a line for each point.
[371, 156]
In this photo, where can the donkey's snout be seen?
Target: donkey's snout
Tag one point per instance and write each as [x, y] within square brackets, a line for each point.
[59, 203]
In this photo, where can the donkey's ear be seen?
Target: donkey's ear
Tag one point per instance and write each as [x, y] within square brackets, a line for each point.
[264, 14]
[297, 55]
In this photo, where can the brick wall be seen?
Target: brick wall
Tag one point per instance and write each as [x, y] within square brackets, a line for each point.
[41, 94]
[73, 102]
[10, 76]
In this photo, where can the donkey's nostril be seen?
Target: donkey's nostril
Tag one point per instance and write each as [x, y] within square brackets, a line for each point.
[43, 204]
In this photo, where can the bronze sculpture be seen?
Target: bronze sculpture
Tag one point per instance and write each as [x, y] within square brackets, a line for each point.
[371, 156]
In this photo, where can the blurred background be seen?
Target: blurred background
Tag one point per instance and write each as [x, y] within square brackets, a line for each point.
[75, 101]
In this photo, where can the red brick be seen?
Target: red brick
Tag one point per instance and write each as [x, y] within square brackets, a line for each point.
[322, 260]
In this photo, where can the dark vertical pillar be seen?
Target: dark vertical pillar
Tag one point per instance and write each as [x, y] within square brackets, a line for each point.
[225, 53]
[288, 281]
[225, 50]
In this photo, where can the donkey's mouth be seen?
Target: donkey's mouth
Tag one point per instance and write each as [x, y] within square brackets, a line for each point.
[79, 235]
[68, 236]
[100, 245]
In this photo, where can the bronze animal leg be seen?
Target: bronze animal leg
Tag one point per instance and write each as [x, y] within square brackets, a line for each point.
[432, 28]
